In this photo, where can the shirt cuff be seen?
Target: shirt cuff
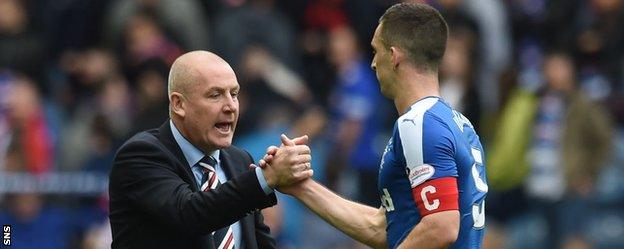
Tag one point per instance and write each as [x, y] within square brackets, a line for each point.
[263, 183]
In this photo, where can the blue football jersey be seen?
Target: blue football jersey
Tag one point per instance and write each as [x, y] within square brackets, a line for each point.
[431, 141]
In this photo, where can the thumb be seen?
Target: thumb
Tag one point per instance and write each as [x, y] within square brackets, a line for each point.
[252, 166]
[301, 140]
[286, 141]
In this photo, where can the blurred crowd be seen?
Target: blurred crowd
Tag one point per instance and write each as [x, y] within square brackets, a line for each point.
[541, 80]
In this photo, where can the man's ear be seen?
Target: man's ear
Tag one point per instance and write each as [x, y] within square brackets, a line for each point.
[178, 105]
[397, 56]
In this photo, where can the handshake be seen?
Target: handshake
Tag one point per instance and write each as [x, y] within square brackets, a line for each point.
[287, 166]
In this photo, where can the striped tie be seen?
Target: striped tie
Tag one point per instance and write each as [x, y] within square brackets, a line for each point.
[224, 237]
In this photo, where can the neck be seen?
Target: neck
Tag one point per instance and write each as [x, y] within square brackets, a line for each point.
[413, 86]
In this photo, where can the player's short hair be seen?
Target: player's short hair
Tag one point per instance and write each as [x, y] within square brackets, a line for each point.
[419, 30]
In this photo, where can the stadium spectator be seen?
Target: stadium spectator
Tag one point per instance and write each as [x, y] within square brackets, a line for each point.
[268, 84]
[94, 88]
[264, 25]
[184, 19]
[495, 48]
[599, 47]
[23, 49]
[151, 95]
[457, 84]
[318, 18]
[29, 214]
[542, 147]
[146, 39]
[81, 76]
[68, 25]
[101, 145]
[31, 146]
[356, 117]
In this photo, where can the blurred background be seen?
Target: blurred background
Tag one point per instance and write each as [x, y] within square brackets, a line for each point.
[541, 80]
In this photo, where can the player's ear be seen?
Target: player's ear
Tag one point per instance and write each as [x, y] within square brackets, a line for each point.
[396, 56]
[177, 104]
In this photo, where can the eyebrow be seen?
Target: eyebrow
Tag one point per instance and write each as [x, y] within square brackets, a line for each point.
[222, 89]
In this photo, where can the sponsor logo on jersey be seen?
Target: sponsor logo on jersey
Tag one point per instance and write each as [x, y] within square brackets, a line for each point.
[420, 174]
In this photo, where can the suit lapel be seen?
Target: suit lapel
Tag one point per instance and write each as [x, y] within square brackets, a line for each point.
[232, 168]
[166, 137]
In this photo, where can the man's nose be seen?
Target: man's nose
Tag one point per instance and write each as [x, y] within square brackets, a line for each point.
[230, 104]
[373, 66]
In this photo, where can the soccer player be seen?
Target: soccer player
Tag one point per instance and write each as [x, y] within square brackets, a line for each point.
[432, 179]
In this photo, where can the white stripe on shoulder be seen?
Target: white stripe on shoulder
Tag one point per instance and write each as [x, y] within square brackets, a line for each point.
[411, 131]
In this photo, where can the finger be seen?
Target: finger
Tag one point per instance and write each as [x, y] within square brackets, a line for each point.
[268, 158]
[286, 141]
[303, 175]
[271, 150]
[252, 166]
[302, 149]
[262, 163]
[301, 140]
[299, 168]
[303, 159]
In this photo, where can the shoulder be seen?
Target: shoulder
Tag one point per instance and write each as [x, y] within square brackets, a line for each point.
[418, 109]
[425, 133]
[426, 116]
[144, 148]
[141, 155]
[145, 140]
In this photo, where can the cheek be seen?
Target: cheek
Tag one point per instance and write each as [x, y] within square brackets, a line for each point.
[381, 74]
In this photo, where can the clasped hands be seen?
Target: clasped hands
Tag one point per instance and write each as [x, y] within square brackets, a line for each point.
[288, 164]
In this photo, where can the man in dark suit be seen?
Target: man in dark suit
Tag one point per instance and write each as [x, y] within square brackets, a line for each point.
[183, 185]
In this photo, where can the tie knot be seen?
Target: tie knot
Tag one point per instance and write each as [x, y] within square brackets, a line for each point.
[208, 162]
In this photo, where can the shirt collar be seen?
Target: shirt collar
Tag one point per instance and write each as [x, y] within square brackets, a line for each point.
[191, 153]
[409, 108]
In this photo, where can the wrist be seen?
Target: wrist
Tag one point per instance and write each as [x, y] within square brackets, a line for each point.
[299, 190]
[263, 183]
[268, 178]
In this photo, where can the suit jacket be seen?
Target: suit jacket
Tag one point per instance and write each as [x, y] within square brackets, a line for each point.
[155, 201]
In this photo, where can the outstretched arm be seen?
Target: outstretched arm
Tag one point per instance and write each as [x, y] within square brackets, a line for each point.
[363, 223]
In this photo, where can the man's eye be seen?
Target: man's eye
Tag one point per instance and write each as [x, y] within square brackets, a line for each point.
[214, 95]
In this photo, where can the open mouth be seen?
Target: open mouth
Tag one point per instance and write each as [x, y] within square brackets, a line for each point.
[224, 127]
